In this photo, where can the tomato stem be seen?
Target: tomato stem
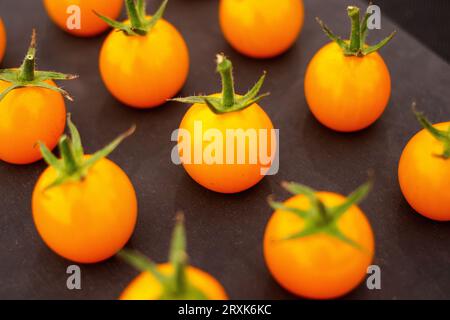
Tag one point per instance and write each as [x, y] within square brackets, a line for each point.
[440, 135]
[73, 165]
[28, 76]
[29, 62]
[178, 256]
[140, 24]
[229, 101]
[355, 35]
[225, 68]
[67, 155]
[177, 285]
[132, 11]
[356, 45]
[318, 217]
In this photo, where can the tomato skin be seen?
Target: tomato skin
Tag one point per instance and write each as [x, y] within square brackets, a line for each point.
[318, 266]
[226, 178]
[90, 24]
[87, 221]
[2, 40]
[27, 116]
[425, 178]
[347, 93]
[146, 287]
[145, 71]
[261, 28]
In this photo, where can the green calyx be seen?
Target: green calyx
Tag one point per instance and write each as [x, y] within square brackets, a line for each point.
[440, 135]
[356, 46]
[229, 101]
[175, 286]
[73, 165]
[319, 218]
[28, 76]
[139, 25]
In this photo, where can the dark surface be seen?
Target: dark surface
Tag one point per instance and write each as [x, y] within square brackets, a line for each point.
[426, 20]
[225, 231]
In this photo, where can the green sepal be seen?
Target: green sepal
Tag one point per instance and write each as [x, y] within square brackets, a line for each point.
[356, 45]
[175, 286]
[229, 101]
[440, 135]
[139, 24]
[73, 166]
[318, 217]
[28, 76]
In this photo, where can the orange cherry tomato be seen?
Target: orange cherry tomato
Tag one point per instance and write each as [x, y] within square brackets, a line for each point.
[145, 67]
[41, 111]
[175, 280]
[347, 93]
[86, 221]
[62, 13]
[226, 142]
[261, 28]
[347, 83]
[318, 266]
[223, 177]
[32, 110]
[424, 176]
[2, 39]
[146, 287]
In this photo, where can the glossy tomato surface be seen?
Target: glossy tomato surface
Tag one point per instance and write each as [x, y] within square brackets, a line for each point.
[146, 287]
[62, 13]
[86, 221]
[27, 116]
[261, 28]
[145, 71]
[217, 173]
[318, 266]
[347, 93]
[425, 177]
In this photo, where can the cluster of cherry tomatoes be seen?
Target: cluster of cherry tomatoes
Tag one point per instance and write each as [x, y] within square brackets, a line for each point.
[317, 244]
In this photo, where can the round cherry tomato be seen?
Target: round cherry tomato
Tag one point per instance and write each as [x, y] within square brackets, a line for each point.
[318, 264]
[175, 280]
[64, 13]
[226, 141]
[2, 39]
[346, 93]
[86, 221]
[261, 28]
[41, 111]
[222, 177]
[32, 109]
[84, 207]
[347, 83]
[146, 287]
[424, 176]
[144, 70]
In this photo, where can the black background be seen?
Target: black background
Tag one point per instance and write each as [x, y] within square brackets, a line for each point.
[428, 20]
[225, 231]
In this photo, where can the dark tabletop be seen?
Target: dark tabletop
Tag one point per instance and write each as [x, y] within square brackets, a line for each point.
[225, 231]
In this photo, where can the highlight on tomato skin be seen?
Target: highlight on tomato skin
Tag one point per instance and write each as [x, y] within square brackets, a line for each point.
[2, 39]
[144, 61]
[175, 280]
[347, 83]
[30, 99]
[424, 170]
[261, 28]
[84, 206]
[77, 17]
[318, 245]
